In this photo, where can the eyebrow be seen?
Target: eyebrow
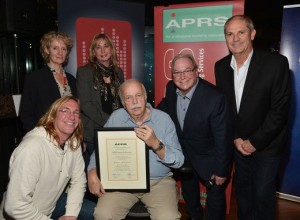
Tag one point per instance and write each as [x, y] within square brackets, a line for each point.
[188, 68]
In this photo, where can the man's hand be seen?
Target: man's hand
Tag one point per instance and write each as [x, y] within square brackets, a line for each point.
[94, 184]
[219, 180]
[147, 134]
[248, 147]
[238, 143]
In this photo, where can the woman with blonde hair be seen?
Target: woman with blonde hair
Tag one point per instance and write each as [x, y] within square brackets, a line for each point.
[98, 83]
[42, 87]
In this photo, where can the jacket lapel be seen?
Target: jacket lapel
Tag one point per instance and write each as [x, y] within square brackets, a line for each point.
[252, 77]
[229, 77]
[173, 105]
[197, 98]
[231, 87]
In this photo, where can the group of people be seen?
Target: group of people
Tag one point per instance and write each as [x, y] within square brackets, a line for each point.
[243, 118]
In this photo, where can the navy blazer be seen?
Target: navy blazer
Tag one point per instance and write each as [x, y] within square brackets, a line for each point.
[264, 108]
[206, 138]
[40, 91]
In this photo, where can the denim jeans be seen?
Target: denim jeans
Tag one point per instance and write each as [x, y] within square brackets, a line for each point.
[86, 212]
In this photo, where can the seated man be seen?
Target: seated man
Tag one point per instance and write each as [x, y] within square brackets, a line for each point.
[48, 158]
[157, 130]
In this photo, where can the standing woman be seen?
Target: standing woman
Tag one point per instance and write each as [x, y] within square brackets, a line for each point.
[49, 83]
[98, 83]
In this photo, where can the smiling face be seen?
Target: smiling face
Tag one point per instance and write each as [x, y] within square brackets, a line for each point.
[103, 51]
[67, 119]
[239, 37]
[134, 99]
[57, 52]
[184, 74]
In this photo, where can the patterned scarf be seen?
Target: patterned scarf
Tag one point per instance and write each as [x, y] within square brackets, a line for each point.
[99, 84]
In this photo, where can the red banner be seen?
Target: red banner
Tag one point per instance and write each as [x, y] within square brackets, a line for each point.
[120, 33]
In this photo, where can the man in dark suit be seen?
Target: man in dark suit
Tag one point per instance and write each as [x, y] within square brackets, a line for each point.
[258, 85]
[204, 127]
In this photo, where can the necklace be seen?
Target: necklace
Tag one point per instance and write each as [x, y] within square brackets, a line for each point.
[61, 81]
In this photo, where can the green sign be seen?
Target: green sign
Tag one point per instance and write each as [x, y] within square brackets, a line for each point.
[198, 24]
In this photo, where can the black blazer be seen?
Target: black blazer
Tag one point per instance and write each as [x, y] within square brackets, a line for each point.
[206, 138]
[264, 108]
[40, 91]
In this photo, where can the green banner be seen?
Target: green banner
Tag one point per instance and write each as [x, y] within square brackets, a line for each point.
[198, 24]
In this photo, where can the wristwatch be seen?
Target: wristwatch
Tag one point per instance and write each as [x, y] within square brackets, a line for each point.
[160, 146]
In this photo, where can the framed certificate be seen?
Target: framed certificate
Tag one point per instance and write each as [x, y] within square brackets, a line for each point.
[122, 160]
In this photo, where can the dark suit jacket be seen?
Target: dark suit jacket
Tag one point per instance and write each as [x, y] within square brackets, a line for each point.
[264, 108]
[40, 91]
[206, 138]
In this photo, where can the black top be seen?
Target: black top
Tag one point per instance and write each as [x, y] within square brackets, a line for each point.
[40, 91]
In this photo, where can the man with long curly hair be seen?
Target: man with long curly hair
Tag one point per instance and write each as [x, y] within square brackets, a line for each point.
[46, 161]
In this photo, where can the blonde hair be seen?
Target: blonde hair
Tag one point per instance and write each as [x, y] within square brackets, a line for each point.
[46, 42]
[93, 58]
[47, 121]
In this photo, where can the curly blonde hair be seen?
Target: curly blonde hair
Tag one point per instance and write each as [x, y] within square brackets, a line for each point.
[48, 38]
[47, 121]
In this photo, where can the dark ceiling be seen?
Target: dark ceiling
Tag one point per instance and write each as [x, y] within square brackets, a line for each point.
[266, 14]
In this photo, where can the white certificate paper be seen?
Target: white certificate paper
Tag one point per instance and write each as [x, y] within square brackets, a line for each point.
[122, 160]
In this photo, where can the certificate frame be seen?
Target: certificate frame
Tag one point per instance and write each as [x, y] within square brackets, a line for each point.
[122, 160]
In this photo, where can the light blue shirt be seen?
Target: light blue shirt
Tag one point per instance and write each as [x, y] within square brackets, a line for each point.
[183, 102]
[164, 130]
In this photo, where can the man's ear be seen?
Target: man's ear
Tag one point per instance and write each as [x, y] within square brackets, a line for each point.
[253, 33]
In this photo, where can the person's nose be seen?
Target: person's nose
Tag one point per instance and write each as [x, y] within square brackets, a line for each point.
[236, 37]
[72, 116]
[60, 51]
[182, 75]
[134, 100]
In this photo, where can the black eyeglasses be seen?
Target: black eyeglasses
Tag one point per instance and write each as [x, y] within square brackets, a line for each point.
[185, 72]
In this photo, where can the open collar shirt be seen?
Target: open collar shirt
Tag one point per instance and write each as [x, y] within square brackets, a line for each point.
[164, 130]
[240, 75]
[183, 102]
